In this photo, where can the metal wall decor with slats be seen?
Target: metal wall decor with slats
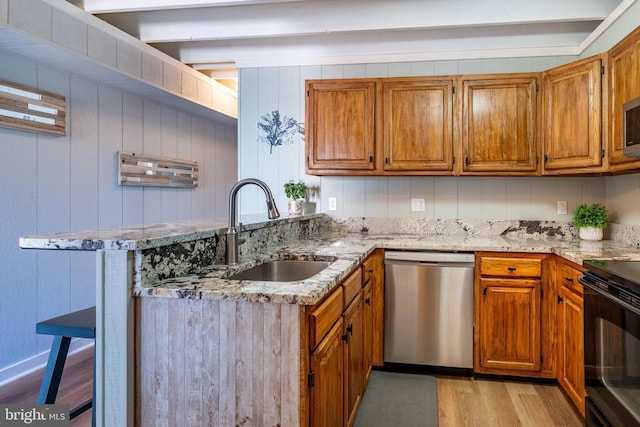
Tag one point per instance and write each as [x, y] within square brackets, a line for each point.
[156, 171]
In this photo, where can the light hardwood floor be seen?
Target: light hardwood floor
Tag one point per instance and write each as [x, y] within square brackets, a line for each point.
[461, 401]
[76, 386]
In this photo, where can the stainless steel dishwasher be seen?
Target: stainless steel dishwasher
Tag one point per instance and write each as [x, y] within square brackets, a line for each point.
[429, 308]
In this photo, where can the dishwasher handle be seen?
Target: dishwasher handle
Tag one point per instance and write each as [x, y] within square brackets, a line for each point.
[430, 263]
[434, 258]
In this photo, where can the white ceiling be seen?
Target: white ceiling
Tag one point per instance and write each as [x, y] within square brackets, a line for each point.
[219, 36]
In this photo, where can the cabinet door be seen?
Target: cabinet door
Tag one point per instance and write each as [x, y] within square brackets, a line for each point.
[353, 359]
[418, 125]
[572, 117]
[367, 330]
[509, 325]
[499, 125]
[340, 124]
[327, 388]
[571, 346]
[373, 273]
[624, 83]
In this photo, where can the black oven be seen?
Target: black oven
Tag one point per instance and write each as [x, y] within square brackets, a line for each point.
[612, 342]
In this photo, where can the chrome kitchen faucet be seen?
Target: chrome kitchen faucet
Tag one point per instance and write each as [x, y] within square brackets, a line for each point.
[232, 233]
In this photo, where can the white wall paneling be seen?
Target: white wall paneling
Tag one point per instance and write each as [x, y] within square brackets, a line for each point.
[67, 183]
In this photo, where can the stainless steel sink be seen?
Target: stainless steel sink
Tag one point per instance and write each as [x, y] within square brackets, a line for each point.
[286, 270]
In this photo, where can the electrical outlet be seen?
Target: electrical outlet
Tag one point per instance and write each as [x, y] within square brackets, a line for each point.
[562, 207]
[417, 205]
[333, 204]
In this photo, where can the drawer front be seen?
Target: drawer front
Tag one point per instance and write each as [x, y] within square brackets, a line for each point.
[510, 267]
[325, 315]
[568, 277]
[351, 286]
[367, 270]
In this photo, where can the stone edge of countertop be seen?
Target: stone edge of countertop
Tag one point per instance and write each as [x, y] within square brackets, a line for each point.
[139, 237]
[349, 250]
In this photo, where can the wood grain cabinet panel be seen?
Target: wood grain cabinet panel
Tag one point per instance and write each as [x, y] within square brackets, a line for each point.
[342, 331]
[571, 333]
[572, 117]
[340, 119]
[353, 359]
[624, 85]
[499, 124]
[373, 276]
[418, 125]
[327, 367]
[514, 329]
[510, 324]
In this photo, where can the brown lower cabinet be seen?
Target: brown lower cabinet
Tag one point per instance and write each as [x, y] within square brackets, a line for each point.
[528, 323]
[341, 347]
[570, 336]
[514, 324]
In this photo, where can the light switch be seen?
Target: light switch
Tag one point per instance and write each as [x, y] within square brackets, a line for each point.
[417, 205]
[562, 207]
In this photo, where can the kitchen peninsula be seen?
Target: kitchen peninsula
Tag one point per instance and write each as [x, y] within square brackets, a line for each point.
[179, 342]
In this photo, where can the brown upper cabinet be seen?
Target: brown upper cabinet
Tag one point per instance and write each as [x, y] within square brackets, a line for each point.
[565, 121]
[418, 124]
[499, 124]
[572, 137]
[340, 120]
[624, 85]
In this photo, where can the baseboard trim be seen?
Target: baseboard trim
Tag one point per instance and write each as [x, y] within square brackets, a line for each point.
[25, 367]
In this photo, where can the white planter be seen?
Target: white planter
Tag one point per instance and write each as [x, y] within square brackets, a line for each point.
[296, 207]
[591, 233]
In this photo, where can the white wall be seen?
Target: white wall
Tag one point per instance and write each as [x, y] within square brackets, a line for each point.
[52, 184]
[265, 89]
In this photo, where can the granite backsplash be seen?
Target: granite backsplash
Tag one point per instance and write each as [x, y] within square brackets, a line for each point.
[187, 257]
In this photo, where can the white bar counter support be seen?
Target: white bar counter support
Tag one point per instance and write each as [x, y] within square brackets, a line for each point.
[114, 350]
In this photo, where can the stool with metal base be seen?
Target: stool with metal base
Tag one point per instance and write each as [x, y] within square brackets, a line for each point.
[79, 324]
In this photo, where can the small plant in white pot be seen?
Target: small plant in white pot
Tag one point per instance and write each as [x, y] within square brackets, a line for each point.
[590, 220]
[297, 192]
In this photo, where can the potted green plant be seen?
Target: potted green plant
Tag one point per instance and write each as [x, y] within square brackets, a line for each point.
[297, 192]
[590, 220]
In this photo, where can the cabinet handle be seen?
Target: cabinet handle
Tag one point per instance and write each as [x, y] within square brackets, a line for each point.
[367, 301]
[350, 329]
[568, 279]
[484, 291]
[512, 269]
[345, 338]
[370, 159]
[370, 270]
[560, 299]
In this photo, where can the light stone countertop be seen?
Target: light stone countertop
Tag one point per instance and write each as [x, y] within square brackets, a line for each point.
[349, 251]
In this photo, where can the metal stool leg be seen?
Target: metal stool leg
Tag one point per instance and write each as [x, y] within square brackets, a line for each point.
[53, 372]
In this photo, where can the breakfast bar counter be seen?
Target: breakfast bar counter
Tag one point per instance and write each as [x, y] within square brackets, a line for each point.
[164, 288]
